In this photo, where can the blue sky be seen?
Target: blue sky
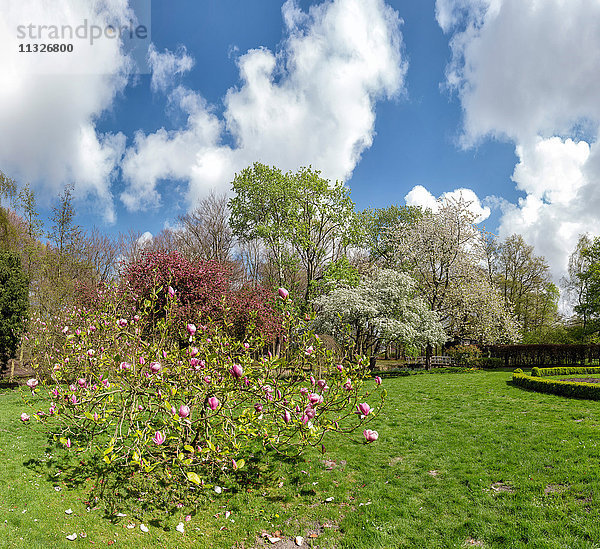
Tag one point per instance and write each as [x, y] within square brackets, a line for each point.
[404, 100]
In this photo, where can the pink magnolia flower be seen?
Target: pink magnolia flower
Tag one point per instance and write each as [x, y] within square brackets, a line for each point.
[188, 518]
[52, 409]
[174, 410]
[309, 350]
[371, 436]
[159, 438]
[122, 322]
[155, 367]
[246, 345]
[171, 291]
[65, 329]
[72, 387]
[32, 383]
[193, 351]
[125, 365]
[164, 354]
[340, 368]
[184, 411]
[207, 379]
[283, 293]
[287, 417]
[378, 380]
[303, 391]
[310, 412]
[78, 332]
[91, 352]
[213, 403]
[136, 318]
[82, 382]
[92, 328]
[105, 383]
[24, 417]
[278, 394]
[322, 383]
[363, 409]
[246, 381]
[312, 380]
[237, 371]
[68, 443]
[73, 399]
[96, 417]
[348, 385]
[315, 399]
[142, 360]
[194, 363]
[140, 408]
[258, 408]
[191, 329]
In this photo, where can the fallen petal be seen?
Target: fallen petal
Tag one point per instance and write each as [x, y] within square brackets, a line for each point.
[72, 537]
[298, 540]
[143, 528]
[273, 540]
[180, 528]
[69, 511]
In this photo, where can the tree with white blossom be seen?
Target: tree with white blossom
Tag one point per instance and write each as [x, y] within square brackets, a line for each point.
[383, 308]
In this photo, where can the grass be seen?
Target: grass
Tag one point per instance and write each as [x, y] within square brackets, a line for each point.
[462, 460]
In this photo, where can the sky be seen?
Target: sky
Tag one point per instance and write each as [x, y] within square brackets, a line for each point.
[406, 102]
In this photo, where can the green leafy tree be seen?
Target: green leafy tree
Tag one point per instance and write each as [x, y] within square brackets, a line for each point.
[13, 303]
[301, 218]
[589, 304]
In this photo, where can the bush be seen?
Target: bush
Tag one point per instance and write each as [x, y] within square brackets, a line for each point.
[14, 301]
[196, 411]
[565, 371]
[489, 363]
[590, 391]
[465, 355]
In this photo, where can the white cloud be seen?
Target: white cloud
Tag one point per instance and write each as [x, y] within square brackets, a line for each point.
[166, 65]
[529, 72]
[311, 102]
[420, 196]
[50, 103]
[562, 201]
[523, 69]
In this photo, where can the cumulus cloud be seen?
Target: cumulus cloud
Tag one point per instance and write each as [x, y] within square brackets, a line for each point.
[523, 69]
[528, 72]
[420, 196]
[50, 103]
[310, 102]
[166, 65]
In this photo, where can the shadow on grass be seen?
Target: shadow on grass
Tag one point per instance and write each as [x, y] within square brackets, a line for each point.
[131, 490]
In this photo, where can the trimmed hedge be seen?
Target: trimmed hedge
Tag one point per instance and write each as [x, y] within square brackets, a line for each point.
[489, 362]
[573, 389]
[565, 371]
[544, 354]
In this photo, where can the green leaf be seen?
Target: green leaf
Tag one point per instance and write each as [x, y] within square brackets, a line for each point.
[109, 450]
[193, 477]
[89, 416]
[240, 463]
[189, 448]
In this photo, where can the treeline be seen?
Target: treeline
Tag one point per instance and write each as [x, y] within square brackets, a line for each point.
[302, 232]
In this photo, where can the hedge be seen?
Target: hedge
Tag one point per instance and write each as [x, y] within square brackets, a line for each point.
[565, 371]
[544, 354]
[573, 389]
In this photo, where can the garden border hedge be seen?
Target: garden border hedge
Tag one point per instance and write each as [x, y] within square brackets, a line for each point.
[572, 389]
[564, 371]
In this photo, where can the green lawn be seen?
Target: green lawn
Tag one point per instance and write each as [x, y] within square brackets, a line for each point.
[463, 460]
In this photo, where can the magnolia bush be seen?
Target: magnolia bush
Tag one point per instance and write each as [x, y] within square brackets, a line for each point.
[197, 408]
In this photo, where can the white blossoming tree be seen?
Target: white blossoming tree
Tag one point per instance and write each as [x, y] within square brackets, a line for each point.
[445, 252]
[383, 308]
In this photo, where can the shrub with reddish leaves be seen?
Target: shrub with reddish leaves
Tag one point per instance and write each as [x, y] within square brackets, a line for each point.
[204, 294]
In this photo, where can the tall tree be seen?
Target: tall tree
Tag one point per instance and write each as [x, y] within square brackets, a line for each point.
[13, 303]
[299, 217]
[589, 306]
[205, 232]
[444, 251]
[525, 284]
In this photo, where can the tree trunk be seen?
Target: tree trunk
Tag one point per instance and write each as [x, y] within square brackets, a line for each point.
[428, 357]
